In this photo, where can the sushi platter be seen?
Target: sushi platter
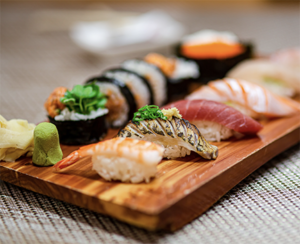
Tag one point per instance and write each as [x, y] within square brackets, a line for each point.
[182, 190]
[123, 144]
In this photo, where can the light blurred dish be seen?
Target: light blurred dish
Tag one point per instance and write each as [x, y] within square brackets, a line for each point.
[143, 33]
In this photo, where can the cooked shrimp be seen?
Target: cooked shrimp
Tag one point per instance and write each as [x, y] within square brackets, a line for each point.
[248, 97]
[122, 159]
[53, 103]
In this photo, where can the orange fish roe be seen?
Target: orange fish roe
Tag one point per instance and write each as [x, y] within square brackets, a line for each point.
[167, 65]
[217, 50]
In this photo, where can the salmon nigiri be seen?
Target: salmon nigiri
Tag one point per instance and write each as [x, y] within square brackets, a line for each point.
[249, 98]
[124, 159]
[216, 121]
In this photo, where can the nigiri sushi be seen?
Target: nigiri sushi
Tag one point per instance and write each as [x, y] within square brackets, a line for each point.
[178, 136]
[278, 78]
[124, 159]
[215, 120]
[289, 57]
[249, 98]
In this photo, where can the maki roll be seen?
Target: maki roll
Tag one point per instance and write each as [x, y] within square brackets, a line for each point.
[78, 114]
[214, 52]
[153, 74]
[138, 85]
[120, 100]
[181, 73]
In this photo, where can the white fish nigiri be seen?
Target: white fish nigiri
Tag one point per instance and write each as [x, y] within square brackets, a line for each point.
[289, 57]
[249, 98]
[278, 78]
[125, 159]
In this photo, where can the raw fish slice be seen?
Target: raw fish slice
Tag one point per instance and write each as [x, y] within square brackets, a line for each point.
[124, 159]
[205, 110]
[178, 136]
[278, 78]
[289, 57]
[247, 97]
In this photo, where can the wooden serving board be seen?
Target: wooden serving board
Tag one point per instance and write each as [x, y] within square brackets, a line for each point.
[182, 190]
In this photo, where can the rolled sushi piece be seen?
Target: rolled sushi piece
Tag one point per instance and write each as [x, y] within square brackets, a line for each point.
[180, 73]
[78, 114]
[153, 74]
[123, 159]
[138, 85]
[176, 135]
[120, 100]
[215, 52]
[216, 121]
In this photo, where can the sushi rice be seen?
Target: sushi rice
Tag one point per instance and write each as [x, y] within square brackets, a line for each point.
[184, 69]
[66, 114]
[213, 131]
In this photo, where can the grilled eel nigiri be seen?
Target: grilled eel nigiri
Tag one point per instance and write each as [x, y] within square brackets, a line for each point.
[178, 137]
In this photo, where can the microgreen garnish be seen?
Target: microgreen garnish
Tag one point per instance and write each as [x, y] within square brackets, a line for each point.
[84, 98]
[148, 112]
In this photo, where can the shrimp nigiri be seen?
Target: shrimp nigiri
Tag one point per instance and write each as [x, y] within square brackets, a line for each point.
[249, 98]
[124, 159]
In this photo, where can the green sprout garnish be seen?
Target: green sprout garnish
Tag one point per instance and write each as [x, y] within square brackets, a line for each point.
[148, 112]
[84, 98]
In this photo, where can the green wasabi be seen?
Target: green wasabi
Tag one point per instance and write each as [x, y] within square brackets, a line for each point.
[47, 151]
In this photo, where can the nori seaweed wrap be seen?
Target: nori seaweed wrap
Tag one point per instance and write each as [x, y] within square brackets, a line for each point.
[81, 132]
[153, 74]
[139, 85]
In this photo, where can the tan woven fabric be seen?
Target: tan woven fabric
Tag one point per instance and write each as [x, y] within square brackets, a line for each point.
[264, 208]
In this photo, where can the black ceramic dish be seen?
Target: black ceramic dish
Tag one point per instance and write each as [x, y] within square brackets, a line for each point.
[81, 132]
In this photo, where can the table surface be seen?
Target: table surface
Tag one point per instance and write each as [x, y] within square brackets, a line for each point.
[263, 208]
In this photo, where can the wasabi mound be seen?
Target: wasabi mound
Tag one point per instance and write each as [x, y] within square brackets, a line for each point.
[47, 151]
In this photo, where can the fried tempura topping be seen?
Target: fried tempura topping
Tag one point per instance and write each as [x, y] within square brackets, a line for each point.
[53, 104]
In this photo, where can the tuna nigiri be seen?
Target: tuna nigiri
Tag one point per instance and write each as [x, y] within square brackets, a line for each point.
[215, 120]
[124, 159]
[249, 98]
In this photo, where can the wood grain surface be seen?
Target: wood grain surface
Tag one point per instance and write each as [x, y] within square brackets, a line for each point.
[182, 189]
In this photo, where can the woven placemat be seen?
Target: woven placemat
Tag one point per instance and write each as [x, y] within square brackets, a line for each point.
[264, 208]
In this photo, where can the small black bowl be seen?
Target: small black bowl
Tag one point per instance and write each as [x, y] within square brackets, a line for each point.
[81, 132]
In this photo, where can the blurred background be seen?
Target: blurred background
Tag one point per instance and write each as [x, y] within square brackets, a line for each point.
[45, 44]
